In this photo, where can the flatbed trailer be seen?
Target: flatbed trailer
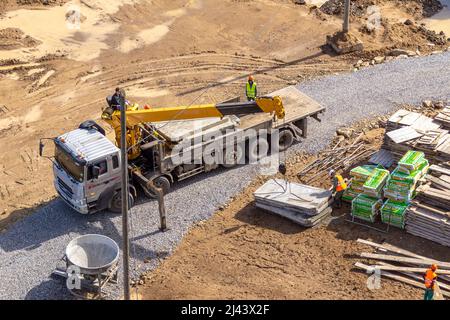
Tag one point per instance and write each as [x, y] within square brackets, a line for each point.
[298, 109]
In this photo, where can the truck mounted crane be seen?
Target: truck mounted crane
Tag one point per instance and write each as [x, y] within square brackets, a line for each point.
[87, 164]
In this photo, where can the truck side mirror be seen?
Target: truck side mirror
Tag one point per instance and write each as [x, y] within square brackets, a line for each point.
[95, 172]
[41, 148]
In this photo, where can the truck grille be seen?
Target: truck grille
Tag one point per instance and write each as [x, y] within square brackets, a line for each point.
[65, 188]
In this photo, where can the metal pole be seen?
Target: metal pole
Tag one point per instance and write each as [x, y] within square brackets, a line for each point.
[124, 196]
[346, 16]
[162, 209]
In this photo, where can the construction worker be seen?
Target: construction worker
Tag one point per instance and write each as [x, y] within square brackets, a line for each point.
[114, 100]
[338, 188]
[430, 278]
[250, 90]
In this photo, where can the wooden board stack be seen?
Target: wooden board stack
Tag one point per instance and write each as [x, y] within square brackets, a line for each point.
[429, 215]
[407, 130]
[404, 266]
[444, 117]
[300, 203]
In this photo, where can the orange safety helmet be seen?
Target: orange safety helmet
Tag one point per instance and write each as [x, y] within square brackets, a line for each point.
[250, 78]
[434, 267]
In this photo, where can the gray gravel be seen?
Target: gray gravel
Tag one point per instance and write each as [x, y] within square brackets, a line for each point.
[31, 248]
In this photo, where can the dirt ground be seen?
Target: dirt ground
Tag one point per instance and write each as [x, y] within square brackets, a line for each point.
[53, 75]
[243, 252]
[57, 67]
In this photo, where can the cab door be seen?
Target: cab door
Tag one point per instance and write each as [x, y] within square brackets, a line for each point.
[96, 185]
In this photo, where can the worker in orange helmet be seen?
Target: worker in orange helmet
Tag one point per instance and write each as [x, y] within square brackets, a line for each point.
[250, 89]
[430, 278]
[338, 188]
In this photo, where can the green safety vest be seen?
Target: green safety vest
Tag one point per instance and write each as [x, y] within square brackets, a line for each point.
[251, 90]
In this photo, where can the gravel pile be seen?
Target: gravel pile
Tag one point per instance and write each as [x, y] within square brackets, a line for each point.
[31, 248]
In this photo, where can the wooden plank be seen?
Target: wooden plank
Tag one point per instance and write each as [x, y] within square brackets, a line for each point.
[424, 262]
[403, 134]
[391, 248]
[420, 277]
[392, 276]
[388, 267]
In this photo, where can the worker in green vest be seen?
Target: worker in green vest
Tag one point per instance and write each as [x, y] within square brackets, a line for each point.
[251, 91]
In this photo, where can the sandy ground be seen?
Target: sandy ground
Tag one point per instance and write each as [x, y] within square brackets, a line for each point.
[243, 252]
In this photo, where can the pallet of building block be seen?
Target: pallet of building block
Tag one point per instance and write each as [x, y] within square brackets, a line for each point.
[399, 195]
[411, 161]
[412, 177]
[357, 185]
[365, 207]
[375, 183]
[394, 213]
[350, 194]
[361, 173]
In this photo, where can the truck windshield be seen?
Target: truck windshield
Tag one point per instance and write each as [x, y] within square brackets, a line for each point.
[73, 168]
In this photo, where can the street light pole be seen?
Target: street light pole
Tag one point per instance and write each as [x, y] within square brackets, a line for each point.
[124, 197]
[346, 16]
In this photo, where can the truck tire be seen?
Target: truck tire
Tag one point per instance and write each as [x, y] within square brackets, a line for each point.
[254, 147]
[232, 156]
[160, 182]
[116, 202]
[285, 139]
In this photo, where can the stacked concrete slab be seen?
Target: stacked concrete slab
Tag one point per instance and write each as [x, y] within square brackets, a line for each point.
[299, 203]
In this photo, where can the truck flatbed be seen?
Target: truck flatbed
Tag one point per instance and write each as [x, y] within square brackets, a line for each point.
[297, 106]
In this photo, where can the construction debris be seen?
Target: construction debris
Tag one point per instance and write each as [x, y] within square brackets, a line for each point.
[302, 204]
[336, 158]
[404, 266]
[407, 130]
[444, 118]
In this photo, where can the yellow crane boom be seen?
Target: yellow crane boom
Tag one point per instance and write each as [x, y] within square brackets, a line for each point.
[137, 117]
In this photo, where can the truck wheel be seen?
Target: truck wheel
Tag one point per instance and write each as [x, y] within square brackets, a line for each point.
[232, 156]
[116, 202]
[285, 140]
[257, 149]
[159, 182]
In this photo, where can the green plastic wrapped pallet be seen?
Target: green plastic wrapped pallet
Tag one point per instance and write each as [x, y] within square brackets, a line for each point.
[411, 161]
[375, 183]
[393, 213]
[365, 207]
[349, 195]
[357, 185]
[361, 173]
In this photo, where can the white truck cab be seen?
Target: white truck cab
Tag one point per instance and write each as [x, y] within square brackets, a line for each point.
[87, 170]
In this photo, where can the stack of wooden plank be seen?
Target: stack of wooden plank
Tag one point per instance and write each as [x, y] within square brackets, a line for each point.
[300, 203]
[404, 266]
[429, 215]
[407, 130]
[428, 222]
[435, 193]
[444, 117]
